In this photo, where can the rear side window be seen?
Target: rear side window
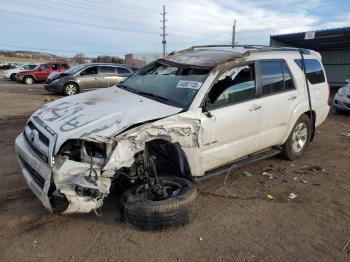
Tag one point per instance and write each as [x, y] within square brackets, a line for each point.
[65, 66]
[107, 69]
[123, 71]
[275, 77]
[314, 70]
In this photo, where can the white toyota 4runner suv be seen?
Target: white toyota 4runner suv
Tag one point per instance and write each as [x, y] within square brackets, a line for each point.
[192, 115]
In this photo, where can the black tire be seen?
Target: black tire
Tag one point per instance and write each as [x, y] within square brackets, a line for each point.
[154, 215]
[13, 77]
[338, 111]
[29, 80]
[289, 151]
[70, 89]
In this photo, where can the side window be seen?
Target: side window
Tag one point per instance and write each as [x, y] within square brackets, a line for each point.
[44, 67]
[26, 67]
[65, 66]
[314, 71]
[123, 71]
[271, 77]
[90, 71]
[55, 67]
[31, 67]
[287, 78]
[239, 86]
[107, 69]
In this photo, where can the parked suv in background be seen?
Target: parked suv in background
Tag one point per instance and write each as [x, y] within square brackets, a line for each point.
[40, 73]
[87, 76]
[11, 73]
[197, 113]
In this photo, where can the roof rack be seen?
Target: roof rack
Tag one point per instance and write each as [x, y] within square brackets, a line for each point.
[257, 48]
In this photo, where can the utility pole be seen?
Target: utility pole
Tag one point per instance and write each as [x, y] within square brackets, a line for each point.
[233, 33]
[163, 28]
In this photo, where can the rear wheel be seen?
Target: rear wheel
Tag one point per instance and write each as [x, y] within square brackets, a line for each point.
[13, 77]
[70, 89]
[298, 139]
[29, 80]
[145, 210]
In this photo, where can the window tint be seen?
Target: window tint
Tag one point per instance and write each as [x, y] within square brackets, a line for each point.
[107, 69]
[44, 67]
[55, 67]
[287, 78]
[65, 66]
[31, 67]
[90, 71]
[275, 77]
[235, 88]
[123, 71]
[314, 71]
[271, 77]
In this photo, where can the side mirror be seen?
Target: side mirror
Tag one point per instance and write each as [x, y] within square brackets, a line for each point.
[205, 108]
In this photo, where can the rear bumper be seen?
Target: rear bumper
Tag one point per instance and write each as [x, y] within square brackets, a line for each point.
[36, 173]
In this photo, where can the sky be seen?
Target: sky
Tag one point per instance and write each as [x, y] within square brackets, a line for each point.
[117, 27]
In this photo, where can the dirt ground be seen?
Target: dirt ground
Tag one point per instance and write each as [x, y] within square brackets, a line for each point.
[231, 221]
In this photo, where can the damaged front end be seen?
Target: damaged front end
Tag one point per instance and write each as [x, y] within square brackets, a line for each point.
[83, 170]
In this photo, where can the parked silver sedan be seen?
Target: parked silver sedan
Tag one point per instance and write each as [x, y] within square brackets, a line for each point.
[87, 76]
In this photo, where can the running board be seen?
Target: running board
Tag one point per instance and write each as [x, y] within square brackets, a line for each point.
[240, 162]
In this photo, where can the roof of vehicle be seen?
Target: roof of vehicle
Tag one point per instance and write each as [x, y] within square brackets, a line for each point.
[105, 64]
[212, 55]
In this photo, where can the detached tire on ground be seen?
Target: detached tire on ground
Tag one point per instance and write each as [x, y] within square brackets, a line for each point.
[141, 212]
[298, 139]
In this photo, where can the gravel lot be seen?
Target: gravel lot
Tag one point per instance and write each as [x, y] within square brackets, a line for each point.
[236, 225]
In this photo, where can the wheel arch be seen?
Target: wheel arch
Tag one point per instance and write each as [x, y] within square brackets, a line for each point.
[30, 75]
[170, 157]
[294, 119]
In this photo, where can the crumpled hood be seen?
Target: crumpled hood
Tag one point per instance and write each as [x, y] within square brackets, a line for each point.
[99, 115]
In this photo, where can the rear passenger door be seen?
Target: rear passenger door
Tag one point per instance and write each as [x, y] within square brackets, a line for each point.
[109, 76]
[278, 97]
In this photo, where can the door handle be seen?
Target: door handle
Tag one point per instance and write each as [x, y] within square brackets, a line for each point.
[255, 107]
[292, 98]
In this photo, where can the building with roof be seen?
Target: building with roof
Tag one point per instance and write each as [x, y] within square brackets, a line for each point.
[333, 44]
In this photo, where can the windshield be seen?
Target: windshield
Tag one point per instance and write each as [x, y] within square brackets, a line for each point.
[74, 69]
[172, 84]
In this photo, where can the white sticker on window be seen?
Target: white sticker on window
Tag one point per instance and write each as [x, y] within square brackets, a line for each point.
[189, 84]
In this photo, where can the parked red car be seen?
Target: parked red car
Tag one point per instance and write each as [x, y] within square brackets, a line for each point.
[42, 72]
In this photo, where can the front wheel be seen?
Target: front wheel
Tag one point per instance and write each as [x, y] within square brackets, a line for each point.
[29, 80]
[145, 210]
[70, 89]
[298, 139]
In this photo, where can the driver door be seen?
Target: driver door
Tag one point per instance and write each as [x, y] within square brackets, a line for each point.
[230, 129]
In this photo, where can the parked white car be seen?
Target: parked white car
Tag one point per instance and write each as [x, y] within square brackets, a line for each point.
[341, 101]
[11, 73]
[195, 114]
